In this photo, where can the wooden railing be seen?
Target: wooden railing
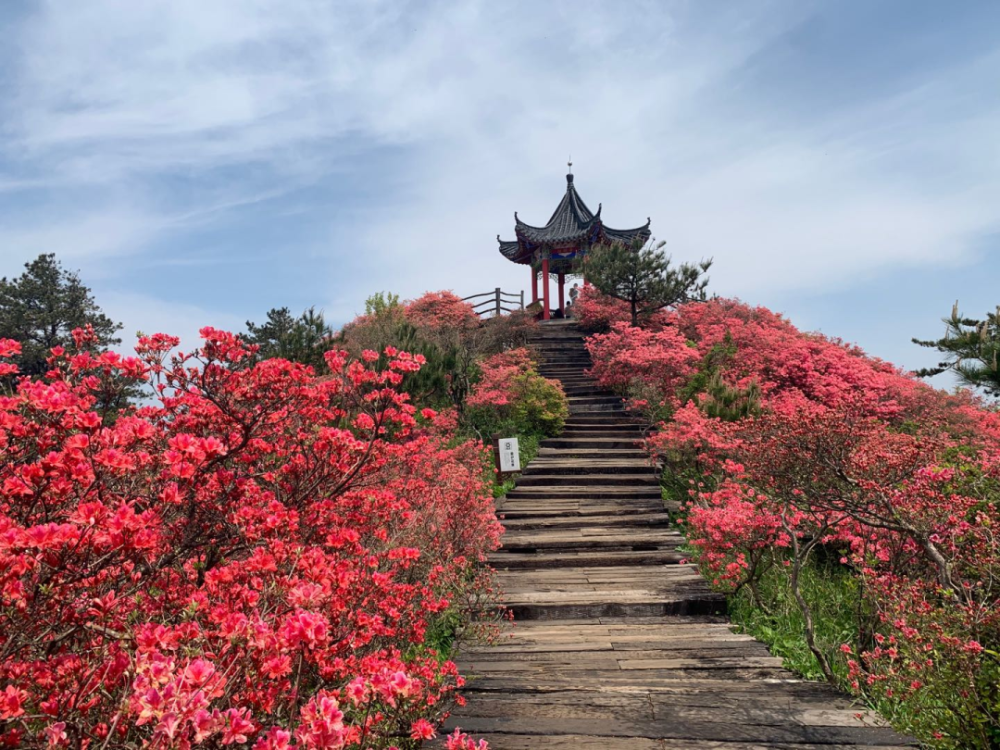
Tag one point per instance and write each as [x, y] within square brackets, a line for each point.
[496, 302]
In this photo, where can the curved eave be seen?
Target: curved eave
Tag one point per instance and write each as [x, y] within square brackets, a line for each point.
[512, 250]
[543, 237]
[628, 235]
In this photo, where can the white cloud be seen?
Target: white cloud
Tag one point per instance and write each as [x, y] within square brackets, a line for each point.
[148, 315]
[245, 99]
[89, 236]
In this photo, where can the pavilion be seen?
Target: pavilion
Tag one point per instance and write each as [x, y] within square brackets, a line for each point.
[572, 230]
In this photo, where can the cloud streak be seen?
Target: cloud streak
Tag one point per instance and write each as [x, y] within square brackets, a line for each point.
[376, 145]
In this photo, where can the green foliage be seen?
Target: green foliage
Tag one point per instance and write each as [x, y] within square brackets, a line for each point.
[714, 396]
[841, 614]
[299, 339]
[535, 407]
[730, 403]
[770, 613]
[541, 407]
[42, 306]
[527, 450]
[381, 303]
[642, 276]
[971, 347]
[452, 353]
[439, 382]
[442, 632]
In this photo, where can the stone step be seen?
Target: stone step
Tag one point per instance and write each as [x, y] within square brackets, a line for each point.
[550, 495]
[576, 510]
[601, 398]
[636, 520]
[551, 540]
[589, 409]
[589, 442]
[627, 454]
[604, 421]
[575, 558]
[637, 453]
[570, 606]
[636, 463]
[587, 389]
[568, 467]
[595, 431]
[552, 335]
[556, 369]
[543, 342]
[591, 480]
[571, 346]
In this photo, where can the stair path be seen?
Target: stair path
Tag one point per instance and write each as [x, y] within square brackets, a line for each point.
[617, 642]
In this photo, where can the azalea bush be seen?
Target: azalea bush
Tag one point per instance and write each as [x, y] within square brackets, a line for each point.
[443, 329]
[809, 468]
[511, 394]
[255, 558]
[596, 312]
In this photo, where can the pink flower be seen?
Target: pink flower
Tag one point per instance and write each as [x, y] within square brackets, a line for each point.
[199, 672]
[55, 734]
[11, 700]
[422, 729]
[237, 727]
[274, 739]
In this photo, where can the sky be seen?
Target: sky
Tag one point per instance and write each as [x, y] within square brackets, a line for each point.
[202, 162]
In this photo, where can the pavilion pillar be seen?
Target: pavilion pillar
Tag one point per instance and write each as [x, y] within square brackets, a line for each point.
[534, 283]
[546, 314]
[562, 298]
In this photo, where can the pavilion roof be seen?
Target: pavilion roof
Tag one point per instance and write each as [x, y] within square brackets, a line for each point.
[572, 225]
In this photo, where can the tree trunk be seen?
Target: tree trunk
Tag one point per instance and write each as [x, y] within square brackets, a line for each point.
[798, 557]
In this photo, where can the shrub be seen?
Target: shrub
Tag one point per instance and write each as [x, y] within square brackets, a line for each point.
[811, 464]
[442, 312]
[445, 331]
[256, 557]
[511, 395]
[596, 312]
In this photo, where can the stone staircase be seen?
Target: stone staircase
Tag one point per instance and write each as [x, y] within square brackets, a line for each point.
[617, 642]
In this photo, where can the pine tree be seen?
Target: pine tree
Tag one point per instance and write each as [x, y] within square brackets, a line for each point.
[642, 276]
[971, 348]
[303, 339]
[42, 306]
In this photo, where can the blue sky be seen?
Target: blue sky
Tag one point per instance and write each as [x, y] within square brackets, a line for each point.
[202, 162]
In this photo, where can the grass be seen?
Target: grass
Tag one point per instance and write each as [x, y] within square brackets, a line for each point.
[775, 618]
[527, 450]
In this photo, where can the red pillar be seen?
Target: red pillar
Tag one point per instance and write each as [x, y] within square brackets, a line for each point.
[534, 284]
[562, 298]
[545, 290]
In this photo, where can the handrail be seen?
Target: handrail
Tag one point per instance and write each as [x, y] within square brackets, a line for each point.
[497, 302]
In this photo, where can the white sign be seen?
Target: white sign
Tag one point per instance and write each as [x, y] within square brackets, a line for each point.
[510, 457]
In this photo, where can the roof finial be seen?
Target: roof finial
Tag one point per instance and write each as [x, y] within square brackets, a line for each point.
[569, 164]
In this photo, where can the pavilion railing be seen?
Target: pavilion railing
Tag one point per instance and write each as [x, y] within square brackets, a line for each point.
[496, 302]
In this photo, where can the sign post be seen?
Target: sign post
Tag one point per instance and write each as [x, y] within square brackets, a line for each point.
[507, 455]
